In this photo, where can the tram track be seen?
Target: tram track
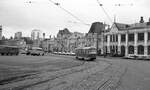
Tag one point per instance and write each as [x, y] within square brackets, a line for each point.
[107, 79]
[41, 78]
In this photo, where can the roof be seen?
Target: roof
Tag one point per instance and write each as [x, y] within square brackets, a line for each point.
[122, 26]
[8, 46]
[139, 25]
[96, 27]
[64, 31]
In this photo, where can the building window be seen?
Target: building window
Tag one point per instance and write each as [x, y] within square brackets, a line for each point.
[113, 38]
[140, 36]
[105, 50]
[110, 38]
[148, 50]
[123, 38]
[131, 50]
[123, 50]
[148, 35]
[130, 37]
[141, 49]
[116, 49]
[106, 38]
[116, 38]
[111, 48]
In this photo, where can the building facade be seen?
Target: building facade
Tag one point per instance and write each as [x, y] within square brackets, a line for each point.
[62, 40]
[48, 45]
[18, 35]
[95, 36]
[129, 39]
[75, 40]
[36, 34]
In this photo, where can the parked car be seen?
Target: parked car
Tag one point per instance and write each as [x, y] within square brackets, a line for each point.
[36, 51]
[22, 51]
[72, 54]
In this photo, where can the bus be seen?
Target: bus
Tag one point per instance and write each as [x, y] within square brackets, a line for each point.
[9, 50]
[86, 53]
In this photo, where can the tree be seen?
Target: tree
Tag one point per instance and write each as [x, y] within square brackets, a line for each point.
[3, 38]
[11, 38]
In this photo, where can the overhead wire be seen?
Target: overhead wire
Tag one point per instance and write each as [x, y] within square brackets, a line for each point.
[101, 5]
[58, 4]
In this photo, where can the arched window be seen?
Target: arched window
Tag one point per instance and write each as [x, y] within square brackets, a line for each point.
[123, 50]
[140, 49]
[131, 50]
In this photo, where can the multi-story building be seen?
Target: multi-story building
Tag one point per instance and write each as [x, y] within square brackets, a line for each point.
[48, 45]
[62, 40]
[18, 35]
[0, 32]
[75, 40]
[129, 39]
[36, 34]
[95, 36]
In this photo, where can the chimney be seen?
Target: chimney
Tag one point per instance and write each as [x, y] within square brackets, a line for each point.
[141, 20]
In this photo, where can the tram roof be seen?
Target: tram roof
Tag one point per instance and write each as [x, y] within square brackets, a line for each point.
[8, 46]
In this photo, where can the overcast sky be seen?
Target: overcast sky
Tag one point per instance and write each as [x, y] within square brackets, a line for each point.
[18, 15]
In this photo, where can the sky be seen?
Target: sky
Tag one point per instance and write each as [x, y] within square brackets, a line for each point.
[20, 15]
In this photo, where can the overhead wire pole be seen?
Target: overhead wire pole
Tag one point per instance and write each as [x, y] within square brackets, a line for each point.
[58, 4]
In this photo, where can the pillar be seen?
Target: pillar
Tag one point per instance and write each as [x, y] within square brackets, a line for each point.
[145, 43]
[108, 43]
[126, 48]
[135, 43]
[119, 43]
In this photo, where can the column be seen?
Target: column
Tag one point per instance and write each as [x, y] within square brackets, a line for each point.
[126, 48]
[135, 43]
[108, 43]
[119, 43]
[145, 43]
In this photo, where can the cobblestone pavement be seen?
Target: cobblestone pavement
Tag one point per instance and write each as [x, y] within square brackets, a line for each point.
[66, 73]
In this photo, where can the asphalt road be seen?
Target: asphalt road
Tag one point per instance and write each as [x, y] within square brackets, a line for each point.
[136, 76]
[56, 72]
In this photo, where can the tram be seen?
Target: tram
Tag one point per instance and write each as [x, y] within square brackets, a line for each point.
[9, 50]
[85, 53]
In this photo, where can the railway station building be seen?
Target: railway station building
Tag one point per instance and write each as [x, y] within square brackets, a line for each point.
[128, 39]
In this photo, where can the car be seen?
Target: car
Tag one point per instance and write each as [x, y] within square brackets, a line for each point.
[22, 51]
[36, 51]
[72, 54]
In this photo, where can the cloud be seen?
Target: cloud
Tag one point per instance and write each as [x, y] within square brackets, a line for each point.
[17, 15]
